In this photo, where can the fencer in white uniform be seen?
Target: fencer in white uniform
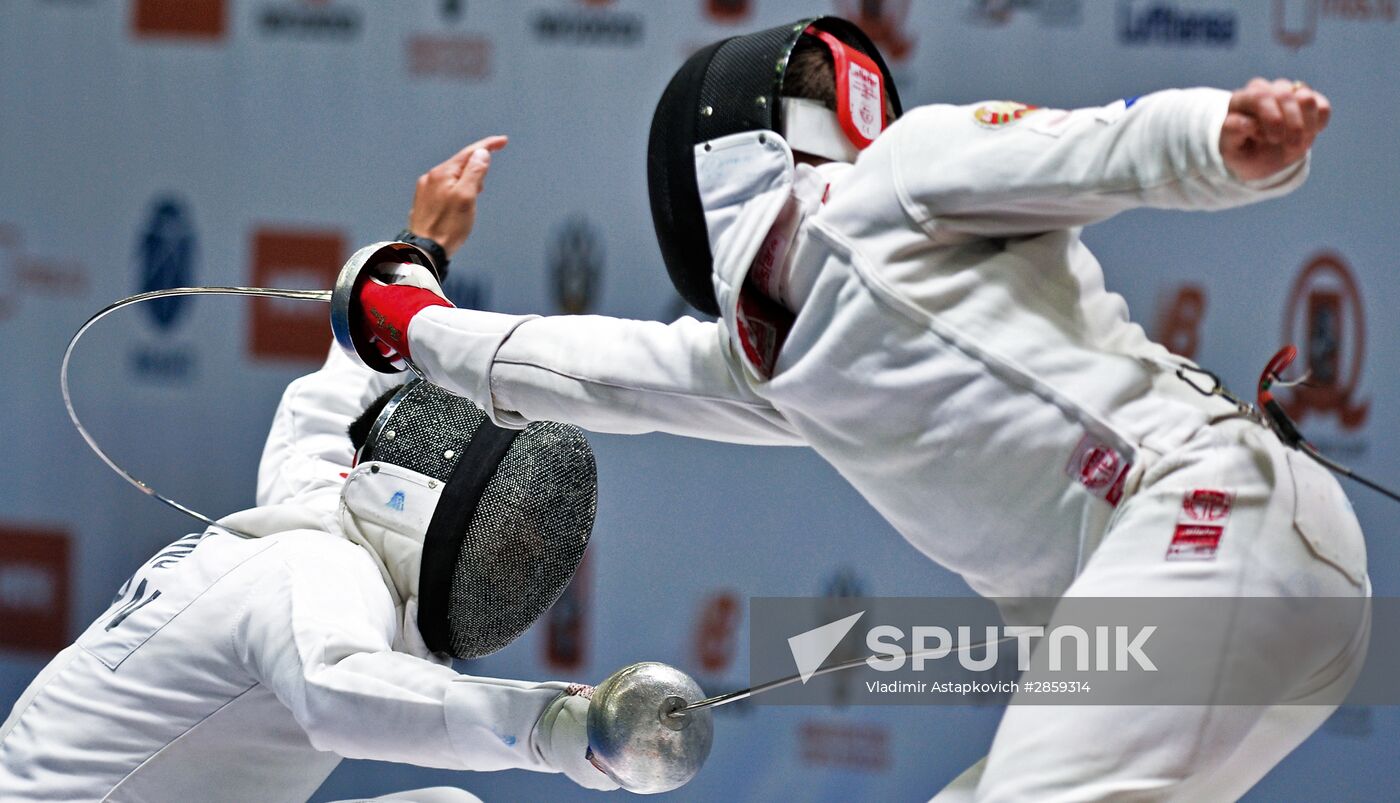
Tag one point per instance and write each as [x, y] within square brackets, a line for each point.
[241, 669]
[926, 317]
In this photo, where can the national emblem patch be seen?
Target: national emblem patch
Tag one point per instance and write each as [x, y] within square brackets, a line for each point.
[1001, 112]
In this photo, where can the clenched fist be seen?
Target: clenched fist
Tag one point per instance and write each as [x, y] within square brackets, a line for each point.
[1271, 125]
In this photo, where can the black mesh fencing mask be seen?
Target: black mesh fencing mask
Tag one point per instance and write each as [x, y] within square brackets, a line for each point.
[511, 524]
[729, 87]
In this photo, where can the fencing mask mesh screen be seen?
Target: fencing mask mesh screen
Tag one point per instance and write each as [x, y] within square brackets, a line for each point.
[511, 525]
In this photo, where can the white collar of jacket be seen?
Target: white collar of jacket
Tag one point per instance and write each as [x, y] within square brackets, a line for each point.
[386, 509]
[273, 519]
[745, 180]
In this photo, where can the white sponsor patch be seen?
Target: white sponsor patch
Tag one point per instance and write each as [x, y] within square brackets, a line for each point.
[1200, 524]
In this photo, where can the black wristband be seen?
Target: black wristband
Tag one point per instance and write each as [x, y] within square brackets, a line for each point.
[434, 251]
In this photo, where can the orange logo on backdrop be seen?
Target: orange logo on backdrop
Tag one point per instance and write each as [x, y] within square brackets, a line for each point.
[34, 589]
[565, 623]
[1179, 321]
[190, 19]
[1325, 319]
[714, 634]
[883, 21]
[728, 11]
[299, 260]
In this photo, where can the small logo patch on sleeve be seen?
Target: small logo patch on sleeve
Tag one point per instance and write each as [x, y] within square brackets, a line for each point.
[1206, 505]
[998, 113]
[1100, 468]
[1200, 524]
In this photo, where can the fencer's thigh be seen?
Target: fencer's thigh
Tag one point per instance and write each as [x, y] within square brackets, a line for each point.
[1206, 752]
[1278, 730]
[1200, 754]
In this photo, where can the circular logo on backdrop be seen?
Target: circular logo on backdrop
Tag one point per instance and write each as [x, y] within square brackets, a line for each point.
[165, 251]
[452, 10]
[576, 264]
[1325, 319]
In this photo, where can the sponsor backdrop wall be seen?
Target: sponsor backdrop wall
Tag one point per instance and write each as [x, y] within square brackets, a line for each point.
[155, 143]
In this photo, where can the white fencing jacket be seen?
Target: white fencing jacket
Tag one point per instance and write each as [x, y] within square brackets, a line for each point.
[957, 357]
[245, 669]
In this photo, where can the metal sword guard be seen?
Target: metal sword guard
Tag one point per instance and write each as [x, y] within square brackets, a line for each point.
[345, 307]
[640, 733]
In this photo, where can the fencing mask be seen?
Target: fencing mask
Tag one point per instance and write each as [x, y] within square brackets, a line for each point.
[736, 85]
[510, 525]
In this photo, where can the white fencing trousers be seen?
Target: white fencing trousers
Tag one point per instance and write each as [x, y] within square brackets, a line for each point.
[1291, 534]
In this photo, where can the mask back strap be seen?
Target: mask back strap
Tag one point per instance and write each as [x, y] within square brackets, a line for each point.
[860, 90]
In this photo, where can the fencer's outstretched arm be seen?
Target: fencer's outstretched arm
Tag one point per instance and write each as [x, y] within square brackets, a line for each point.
[602, 374]
[966, 170]
[308, 449]
[316, 629]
